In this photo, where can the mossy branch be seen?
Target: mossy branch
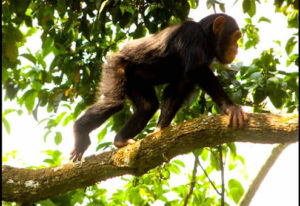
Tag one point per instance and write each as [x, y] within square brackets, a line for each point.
[29, 185]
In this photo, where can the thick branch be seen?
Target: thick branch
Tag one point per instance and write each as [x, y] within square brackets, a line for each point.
[27, 185]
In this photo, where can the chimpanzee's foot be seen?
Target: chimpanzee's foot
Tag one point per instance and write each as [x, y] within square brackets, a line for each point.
[120, 143]
[81, 144]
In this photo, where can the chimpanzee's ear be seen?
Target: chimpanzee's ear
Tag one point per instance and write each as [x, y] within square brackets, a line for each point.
[218, 25]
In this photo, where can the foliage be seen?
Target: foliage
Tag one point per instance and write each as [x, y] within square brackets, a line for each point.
[77, 36]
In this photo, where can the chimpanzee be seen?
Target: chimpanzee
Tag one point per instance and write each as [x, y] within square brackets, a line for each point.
[180, 56]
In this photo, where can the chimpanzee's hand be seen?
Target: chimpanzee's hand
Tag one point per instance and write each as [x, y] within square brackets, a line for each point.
[82, 142]
[236, 116]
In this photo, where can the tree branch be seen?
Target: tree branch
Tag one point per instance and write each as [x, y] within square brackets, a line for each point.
[222, 176]
[193, 181]
[277, 150]
[207, 176]
[28, 185]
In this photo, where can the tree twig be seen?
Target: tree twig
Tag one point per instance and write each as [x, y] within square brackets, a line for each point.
[193, 181]
[222, 175]
[277, 150]
[210, 181]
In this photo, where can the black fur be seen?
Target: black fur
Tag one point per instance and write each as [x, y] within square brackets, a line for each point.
[179, 55]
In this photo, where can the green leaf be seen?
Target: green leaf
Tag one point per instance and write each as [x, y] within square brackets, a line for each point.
[292, 59]
[47, 202]
[232, 148]
[35, 112]
[67, 120]
[204, 155]
[277, 97]
[49, 161]
[278, 3]
[236, 190]
[232, 165]
[291, 81]
[193, 3]
[61, 7]
[140, 31]
[181, 190]
[174, 169]
[151, 26]
[59, 118]
[102, 134]
[241, 159]
[46, 135]
[166, 174]
[237, 96]
[259, 95]
[272, 83]
[21, 6]
[57, 101]
[5, 74]
[31, 31]
[290, 45]
[7, 111]
[20, 112]
[29, 57]
[103, 146]
[58, 138]
[264, 19]
[36, 85]
[249, 7]
[293, 19]
[124, 20]
[183, 10]
[256, 76]
[198, 152]
[103, 6]
[222, 7]
[56, 154]
[278, 42]
[40, 59]
[47, 46]
[10, 50]
[6, 125]
[179, 162]
[30, 100]
[214, 162]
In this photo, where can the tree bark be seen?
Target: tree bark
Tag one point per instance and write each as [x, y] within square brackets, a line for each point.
[28, 185]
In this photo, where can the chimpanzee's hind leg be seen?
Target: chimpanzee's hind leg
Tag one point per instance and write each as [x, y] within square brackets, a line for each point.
[112, 95]
[145, 101]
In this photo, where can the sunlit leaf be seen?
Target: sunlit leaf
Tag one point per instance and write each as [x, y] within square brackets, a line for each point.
[179, 162]
[29, 57]
[58, 138]
[102, 134]
[30, 100]
[236, 190]
[174, 169]
[46, 135]
[289, 47]
[264, 19]
[103, 146]
[6, 125]
[249, 7]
